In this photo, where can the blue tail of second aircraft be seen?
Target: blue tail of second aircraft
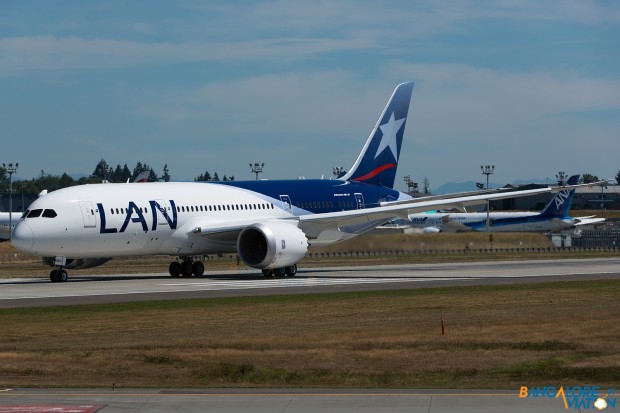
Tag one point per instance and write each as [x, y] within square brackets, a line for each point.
[560, 204]
[377, 162]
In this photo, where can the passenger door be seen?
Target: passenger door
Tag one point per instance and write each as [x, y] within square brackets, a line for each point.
[88, 214]
[359, 198]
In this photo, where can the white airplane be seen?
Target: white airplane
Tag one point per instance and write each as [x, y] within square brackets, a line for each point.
[269, 224]
[554, 217]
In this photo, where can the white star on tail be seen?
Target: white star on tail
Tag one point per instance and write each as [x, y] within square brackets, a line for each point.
[389, 131]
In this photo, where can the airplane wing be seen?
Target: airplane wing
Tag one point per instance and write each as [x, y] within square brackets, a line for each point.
[328, 225]
[332, 226]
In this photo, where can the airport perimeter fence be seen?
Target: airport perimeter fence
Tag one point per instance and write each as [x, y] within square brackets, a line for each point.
[8, 257]
[597, 239]
[566, 250]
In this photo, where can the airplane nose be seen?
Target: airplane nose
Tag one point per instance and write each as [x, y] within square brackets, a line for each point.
[22, 237]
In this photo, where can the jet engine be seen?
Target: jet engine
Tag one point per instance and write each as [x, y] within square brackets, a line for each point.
[271, 245]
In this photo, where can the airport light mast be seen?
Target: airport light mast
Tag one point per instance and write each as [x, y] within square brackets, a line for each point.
[338, 171]
[10, 169]
[487, 170]
[23, 204]
[256, 168]
[561, 178]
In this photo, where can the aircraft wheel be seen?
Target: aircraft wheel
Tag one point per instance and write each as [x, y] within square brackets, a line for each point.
[174, 269]
[54, 276]
[268, 273]
[186, 269]
[62, 275]
[292, 270]
[280, 272]
[198, 268]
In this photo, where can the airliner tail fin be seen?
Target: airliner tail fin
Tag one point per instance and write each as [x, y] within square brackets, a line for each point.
[377, 162]
[560, 204]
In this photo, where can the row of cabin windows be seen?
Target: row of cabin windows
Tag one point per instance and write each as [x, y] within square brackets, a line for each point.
[236, 207]
[326, 204]
[201, 208]
[36, 213]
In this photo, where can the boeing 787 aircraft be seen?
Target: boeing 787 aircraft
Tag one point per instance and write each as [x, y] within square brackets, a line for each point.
[269, 224]
[554, 217]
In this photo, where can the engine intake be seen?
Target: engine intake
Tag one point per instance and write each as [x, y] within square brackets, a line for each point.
[271, 245]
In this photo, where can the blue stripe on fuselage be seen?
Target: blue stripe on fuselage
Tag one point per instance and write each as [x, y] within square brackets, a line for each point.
[318, 195]
[499, 222]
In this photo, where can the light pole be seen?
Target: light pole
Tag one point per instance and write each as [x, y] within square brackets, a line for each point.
[256, 168]
[561, 178]
[23, 205]
[603, 187]
[10, 169]
[487, 170]
[337, 171]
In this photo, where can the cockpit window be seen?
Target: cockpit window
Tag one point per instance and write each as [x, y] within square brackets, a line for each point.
[35, 213]
[49, 213]
[25, 214]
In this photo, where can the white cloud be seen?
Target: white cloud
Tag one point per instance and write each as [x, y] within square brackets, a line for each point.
[24, 54]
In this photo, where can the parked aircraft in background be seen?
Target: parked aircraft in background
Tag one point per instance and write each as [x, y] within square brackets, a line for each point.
[4, 224]
[269, 224]
[554, 217]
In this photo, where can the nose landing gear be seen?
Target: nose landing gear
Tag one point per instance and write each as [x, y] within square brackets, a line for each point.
[58, 274]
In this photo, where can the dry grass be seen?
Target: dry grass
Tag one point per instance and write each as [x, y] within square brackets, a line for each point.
[496, 337]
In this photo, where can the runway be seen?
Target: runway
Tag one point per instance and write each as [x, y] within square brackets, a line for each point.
[275, 400]
[28, 292]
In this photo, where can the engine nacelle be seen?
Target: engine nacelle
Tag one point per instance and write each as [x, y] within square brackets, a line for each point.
[271, 245]
[431, 230]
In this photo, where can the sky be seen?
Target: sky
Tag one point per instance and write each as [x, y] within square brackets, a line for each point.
[531, 87]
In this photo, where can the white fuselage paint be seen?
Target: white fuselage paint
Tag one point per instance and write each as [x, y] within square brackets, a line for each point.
[117, 220]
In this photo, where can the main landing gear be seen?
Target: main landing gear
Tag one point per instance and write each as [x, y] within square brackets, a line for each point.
[289, 271]
[186, 268]
[58, 275]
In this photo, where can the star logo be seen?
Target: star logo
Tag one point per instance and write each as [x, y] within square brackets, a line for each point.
[389, 131]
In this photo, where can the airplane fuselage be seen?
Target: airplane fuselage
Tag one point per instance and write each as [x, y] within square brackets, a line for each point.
[499, 221]
[106, 220]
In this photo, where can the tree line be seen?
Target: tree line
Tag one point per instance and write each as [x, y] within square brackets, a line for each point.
[106, 172]
[103, 172]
